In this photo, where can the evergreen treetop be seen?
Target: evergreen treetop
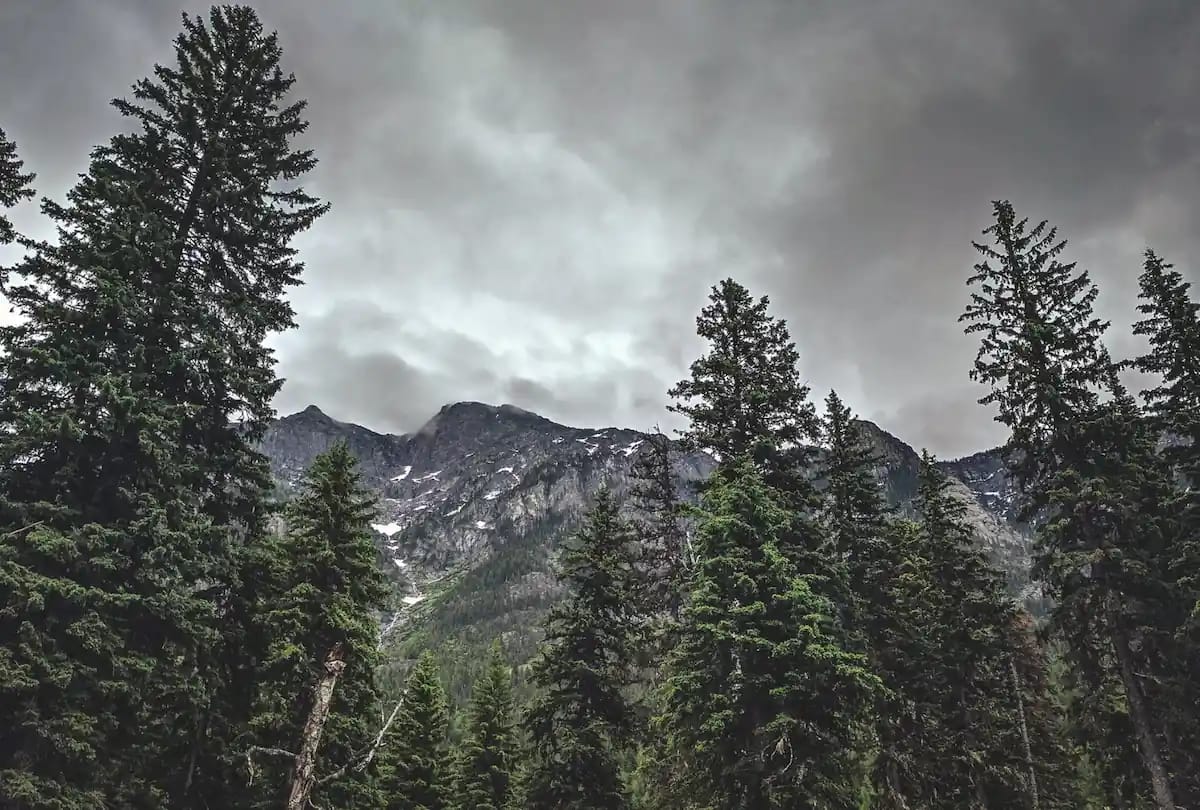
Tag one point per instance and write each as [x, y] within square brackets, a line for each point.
[662, 538]
[1040, 343]
[316, 588]
[1083, 453]
[1171, 323]
[14, 185]
[582, 717]
[971, 619]
[744, 398]
[211, 158]
[855, 517]
[416, 771]
[487, 757]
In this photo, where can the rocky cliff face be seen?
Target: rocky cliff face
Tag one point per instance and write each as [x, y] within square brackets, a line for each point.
[473, 505]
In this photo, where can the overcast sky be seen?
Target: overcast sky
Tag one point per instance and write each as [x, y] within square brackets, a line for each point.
[532, 199]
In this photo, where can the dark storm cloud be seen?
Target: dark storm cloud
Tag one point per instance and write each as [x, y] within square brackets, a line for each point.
[531, 199]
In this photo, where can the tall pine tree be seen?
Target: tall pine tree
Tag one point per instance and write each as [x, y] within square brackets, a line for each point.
[107, 556]
[1171, 323]
[763, 707]
[416, 769]
[487, 757]
[970, 618]
[855, 519]
[318, 587]
[1084, 458]
[883, 593]
[582, 718]
[662, 542]
[122, 474]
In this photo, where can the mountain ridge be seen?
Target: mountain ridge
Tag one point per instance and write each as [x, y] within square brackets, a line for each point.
[474, 504]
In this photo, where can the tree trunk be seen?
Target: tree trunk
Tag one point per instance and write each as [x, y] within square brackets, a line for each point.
[1139, 715]
[898, 800]
[980, 798]
[304, 772]
[1033, 785]
[981, 801]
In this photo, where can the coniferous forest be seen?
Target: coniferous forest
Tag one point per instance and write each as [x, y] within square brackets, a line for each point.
[174, 634]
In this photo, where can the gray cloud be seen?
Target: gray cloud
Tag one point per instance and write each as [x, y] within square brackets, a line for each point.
[531, 199]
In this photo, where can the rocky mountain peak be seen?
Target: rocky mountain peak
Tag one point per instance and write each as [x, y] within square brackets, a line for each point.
[461, 418]
[473, 505]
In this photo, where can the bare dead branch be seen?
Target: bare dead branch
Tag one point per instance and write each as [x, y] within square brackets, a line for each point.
[360, 759]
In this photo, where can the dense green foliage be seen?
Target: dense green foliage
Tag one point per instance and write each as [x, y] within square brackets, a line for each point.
[762, 706]
[485, 761]
[745, 397]
[1172, 324]
[316, 588]
[581, 718]
[1088, 461]
[417, 767]
[173, 636]
[124, 485]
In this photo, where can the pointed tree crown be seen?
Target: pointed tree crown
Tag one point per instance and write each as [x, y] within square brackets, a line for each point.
[744, 396]
[1171, 323]
[14, 185]
[1041, 352]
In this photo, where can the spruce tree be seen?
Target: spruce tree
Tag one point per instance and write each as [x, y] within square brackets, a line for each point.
[884, 588]
[416, 771]
[318, 587]
[14, 186]
[906, 765]
[763, 707]
[1084, 458]
[744, 397]
[662, 546]
[216, 132]
[581, 718]
[103, 610]
[1171, 323]
[970, 619]
[487, 756]
[966, 719]
[1172, 326]
[855, 519]
[120, 471]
